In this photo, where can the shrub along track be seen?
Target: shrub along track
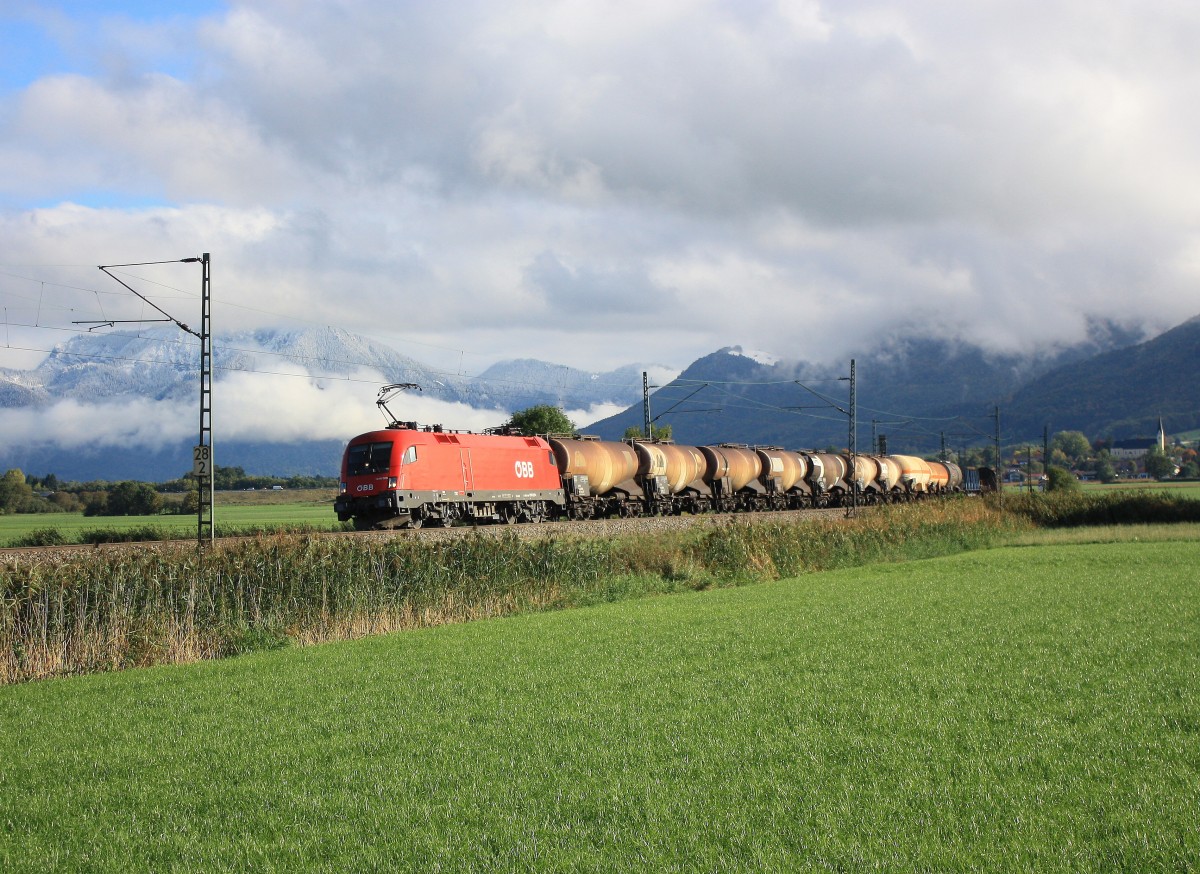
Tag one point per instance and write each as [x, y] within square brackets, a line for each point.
[100, 608]
[581, 529]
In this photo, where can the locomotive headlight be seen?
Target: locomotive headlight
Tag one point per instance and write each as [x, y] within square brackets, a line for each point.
[343, 488]
[391, 482]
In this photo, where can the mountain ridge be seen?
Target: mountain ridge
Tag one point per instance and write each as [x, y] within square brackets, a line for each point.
[921, 391]
[916, 391]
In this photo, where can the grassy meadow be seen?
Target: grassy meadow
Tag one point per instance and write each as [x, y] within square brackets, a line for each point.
[1025, 707]
[310, 509]
[103, 610]
[1185, 488]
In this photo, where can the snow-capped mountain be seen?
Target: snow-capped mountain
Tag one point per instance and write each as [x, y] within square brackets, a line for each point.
[121, 404]
[161, 364]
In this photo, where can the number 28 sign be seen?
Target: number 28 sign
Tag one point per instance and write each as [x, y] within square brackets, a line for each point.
[202, 461]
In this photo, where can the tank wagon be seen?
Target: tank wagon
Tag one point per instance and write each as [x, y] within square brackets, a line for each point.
[411, 476]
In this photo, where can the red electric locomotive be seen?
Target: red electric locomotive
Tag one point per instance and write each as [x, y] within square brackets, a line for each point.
[409, 476]
[404, 476]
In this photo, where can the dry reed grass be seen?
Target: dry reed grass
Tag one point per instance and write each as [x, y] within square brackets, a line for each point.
[105, 610]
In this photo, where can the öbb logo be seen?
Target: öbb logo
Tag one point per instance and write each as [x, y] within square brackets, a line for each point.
[524, 469]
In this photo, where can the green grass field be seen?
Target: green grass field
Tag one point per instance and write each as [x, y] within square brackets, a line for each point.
[1023, 708]
[235, 512]
[1183, 489]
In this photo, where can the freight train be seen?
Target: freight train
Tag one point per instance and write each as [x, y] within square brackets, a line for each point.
[410, 476]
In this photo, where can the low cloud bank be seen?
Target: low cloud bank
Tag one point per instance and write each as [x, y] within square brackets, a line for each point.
[288, 406]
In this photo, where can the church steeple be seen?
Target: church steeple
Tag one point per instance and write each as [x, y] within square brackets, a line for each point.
[1162, 436]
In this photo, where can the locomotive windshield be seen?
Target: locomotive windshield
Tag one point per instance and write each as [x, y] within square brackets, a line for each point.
[366, 458]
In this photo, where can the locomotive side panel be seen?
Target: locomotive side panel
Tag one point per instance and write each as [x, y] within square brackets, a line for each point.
[505, 465]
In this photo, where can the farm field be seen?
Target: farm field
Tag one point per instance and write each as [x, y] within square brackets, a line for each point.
[1186, 489]
[1031, 707]
[234, 510]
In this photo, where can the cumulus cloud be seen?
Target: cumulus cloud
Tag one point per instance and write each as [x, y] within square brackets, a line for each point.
[595, 184]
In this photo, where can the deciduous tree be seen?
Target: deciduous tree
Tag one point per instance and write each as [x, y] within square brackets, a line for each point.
[657, 432]
[14, 491]
[133, 499]
[1158, 465]
[1073, 444]
[542, 419]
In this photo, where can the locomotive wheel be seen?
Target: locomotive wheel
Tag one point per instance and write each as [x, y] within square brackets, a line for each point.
[509, 514]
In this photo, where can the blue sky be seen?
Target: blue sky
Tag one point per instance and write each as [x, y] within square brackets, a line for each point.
[41, 39]
[38, 40]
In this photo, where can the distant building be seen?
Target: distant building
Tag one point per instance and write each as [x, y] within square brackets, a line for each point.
[1134, 450]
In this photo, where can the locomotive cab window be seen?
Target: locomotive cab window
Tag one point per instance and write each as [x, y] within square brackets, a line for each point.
[410, 455]
[367, 458]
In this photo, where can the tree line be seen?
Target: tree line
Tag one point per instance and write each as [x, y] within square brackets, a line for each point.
[20, 493]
